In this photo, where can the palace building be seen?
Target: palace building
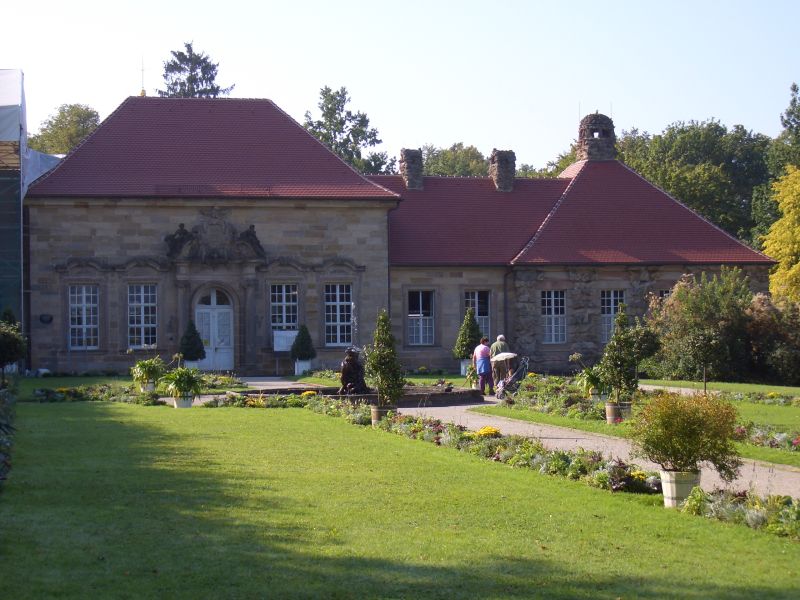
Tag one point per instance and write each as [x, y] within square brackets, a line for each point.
[227, 212]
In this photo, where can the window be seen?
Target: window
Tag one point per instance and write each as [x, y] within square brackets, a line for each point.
[554, 316]
[478, 300]
[338, 314]
[420, 318]
[664, 294]
[84, 317]
[283, 306]
[142, 321]
[609, 307]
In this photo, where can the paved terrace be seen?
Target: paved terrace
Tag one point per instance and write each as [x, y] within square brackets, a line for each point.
[764, 478]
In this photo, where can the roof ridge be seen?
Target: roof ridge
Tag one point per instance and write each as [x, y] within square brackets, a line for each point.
[339, 158]
[698, 215]
[80, 144]
[549, 216]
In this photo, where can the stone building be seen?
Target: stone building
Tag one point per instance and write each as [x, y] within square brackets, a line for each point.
[229, 213]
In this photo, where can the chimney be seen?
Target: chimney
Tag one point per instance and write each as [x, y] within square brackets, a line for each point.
[411, 168]
[503, 168]
[596, 138]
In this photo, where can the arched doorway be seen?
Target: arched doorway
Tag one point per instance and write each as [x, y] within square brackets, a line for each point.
[214, 318]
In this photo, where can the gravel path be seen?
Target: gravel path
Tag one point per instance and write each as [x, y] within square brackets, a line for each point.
[765, 478]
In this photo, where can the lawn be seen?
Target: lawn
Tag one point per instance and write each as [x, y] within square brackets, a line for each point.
[115, 500]
[748, 411]
[726, 387]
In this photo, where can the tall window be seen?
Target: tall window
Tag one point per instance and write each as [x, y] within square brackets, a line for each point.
[609, 307]
[142, 319]
[478, 300]
[420, 318]
[338, 314]
[84, 317]
[283, 305]
[554, 316]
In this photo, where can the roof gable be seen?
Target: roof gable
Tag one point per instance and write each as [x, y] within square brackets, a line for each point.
[191, 147]
[611, 215]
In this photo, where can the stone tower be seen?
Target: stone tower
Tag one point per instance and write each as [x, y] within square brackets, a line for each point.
[596, 138]
[411, 168]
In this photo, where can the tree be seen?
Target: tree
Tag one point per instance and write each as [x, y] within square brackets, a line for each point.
[783, 240]
[618, 364]
[12, 348]
[456, 161]
[191, 346]
[191, 75]
[553, 168]
[382, 365]
[469, 336]
[347, 134]
[302, 346]
[8, 317]
[62, 131]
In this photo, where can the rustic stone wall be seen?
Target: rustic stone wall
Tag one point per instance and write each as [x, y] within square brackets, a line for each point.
[503, 169]
[112, 243]
[411, 168]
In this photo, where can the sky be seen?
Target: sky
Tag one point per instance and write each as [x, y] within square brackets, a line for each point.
[500, 74]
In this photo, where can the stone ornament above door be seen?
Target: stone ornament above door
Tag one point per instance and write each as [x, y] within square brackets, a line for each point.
[214, 241]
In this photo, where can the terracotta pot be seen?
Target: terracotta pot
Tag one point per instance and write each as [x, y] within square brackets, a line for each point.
[613, 413]
[379, 413]
[677, 485]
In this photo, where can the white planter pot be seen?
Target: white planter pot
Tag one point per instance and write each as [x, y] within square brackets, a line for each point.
[677, 485]
[465, 363]
[183, 402]
[148, 386]
[301, 366]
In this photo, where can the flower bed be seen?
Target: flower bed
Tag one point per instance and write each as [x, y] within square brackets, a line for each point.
[768, 437]
[556, 395]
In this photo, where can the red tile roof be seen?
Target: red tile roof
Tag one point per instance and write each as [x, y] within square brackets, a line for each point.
[464, 220]
[611, 215]
[171, 147]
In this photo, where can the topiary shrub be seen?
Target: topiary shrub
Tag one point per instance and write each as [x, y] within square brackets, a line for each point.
[469, 336]
[191, 346]
[303, 347]
[382, 365]
[681, 432]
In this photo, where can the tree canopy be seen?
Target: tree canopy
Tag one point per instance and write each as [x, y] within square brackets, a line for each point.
[783, 240]
[64, 130]
[348, 134]
[456, 161]
[191, 74]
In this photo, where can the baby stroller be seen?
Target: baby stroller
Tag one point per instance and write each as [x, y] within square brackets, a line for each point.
[510, 384]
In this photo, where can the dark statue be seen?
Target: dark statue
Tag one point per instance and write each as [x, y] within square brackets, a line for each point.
[352, 376]
[176, 241]
[250, 238]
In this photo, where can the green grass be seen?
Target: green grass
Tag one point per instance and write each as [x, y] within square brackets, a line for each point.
[120, 501]
[27, 385]
[773, 455]
[726, 387]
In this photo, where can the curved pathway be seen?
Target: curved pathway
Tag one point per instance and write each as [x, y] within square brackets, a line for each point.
[764, 478]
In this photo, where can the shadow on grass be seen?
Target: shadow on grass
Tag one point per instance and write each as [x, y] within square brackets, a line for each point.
[101, 507]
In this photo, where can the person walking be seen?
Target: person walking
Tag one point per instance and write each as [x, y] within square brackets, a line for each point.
[481, 360]
[499, 367]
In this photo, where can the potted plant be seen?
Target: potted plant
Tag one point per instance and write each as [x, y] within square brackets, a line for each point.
[183, 384]
[191, 346]
[302, 351]
[591, 383]
[617, 367]
[469, 336]
[384, 369]
[682, 432]
[146, 372]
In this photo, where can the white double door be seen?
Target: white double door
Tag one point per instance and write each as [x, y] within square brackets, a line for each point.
[215, 324]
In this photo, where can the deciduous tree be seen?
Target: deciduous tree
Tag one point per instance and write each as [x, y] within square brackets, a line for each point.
[783, 240]
[456, 161]
[62, 131]
[191, 74]
[347, 134]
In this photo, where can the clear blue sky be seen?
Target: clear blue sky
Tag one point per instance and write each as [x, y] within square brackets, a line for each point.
[505, 74]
